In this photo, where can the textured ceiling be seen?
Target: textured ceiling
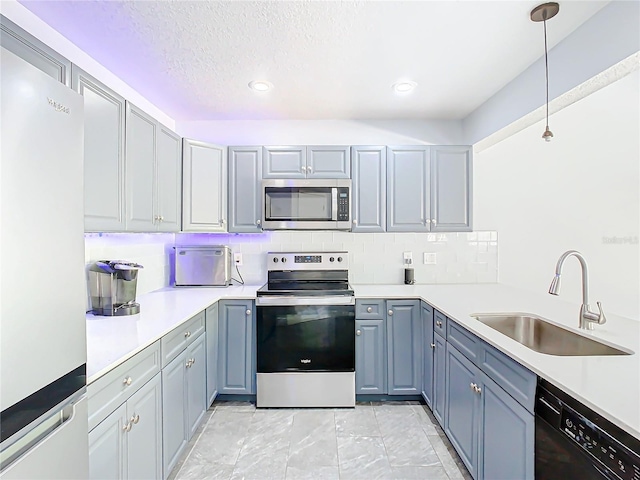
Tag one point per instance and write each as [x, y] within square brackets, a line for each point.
[326, 59]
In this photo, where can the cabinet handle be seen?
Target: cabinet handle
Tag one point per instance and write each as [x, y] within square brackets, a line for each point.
[438, 323]
[304, 169]
[355, 222]
[193, 360]
[187, 334]
[248, 312]
[358, 332]
[479, 390]
[433, 345]
[473, 387]
[127, 427]
[258, 222]
[390, 313]
[222, 221]
[369, 309]
[188, 364]
[127, 381]
[135, 419]
[161, 218]
[433, 220]
[427, 221]
[308, 169]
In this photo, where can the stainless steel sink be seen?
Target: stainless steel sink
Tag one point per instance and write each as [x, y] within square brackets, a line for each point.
[542, 336]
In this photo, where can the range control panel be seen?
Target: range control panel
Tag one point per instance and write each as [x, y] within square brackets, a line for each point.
[618, 459]
[343, 204]
[308, 261]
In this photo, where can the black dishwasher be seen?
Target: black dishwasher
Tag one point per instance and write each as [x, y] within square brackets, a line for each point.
[574, 442]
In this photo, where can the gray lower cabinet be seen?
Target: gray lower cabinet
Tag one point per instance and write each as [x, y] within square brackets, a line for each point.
[451, 188]
[245, 193]
[211, 321]
[371, 357]
[369, 192]
[26, 46]
[183, 400]
[128, 443]
[204, 187]
[236, 347]
[104, 136]
[404, 347]
[439, 379]
[428, 350]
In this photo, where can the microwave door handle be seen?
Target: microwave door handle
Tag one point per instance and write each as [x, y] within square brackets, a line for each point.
[334, 204]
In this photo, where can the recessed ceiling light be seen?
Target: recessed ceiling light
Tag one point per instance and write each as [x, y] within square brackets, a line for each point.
[260, 85]
[404, 86]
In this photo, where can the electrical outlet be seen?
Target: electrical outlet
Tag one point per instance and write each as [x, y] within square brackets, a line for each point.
[407, 258]
[430, 258]
[237, 259]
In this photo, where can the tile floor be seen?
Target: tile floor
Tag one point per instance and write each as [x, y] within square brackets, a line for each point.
[395, 440]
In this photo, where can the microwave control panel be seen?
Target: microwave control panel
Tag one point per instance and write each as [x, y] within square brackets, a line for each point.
[343, 204]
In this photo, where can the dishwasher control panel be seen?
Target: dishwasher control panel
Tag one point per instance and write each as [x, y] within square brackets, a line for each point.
[618, 459]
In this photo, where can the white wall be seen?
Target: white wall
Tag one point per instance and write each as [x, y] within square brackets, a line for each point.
[27, 20]
[577, 192]
[324, 132]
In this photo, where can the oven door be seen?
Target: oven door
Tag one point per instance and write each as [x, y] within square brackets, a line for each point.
[305, 338]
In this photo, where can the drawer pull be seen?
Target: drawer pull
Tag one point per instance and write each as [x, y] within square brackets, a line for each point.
[187, 334]
[358, 332]
[135, 419]
[438, 323]
[248, 312]
[473, 386]
[127, 381]
[433, 345]
[369, 309]
[390, 313]
[188, 365]
[127, 427]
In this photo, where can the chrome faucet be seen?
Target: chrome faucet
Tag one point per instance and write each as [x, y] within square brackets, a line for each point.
[587, 317]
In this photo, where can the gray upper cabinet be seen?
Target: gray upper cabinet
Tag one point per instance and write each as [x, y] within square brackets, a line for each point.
[306, 162]
[33, 51]
[204, 187]
[104, 133]
[328, 162]
[369, 192]
[245, 200]
[141, 143]
[284, 162]
[168, 190]
[408, 189]
[451, 191]
[404, 343]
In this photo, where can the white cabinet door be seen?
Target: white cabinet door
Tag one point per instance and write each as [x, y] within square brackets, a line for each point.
[144, 439]
[196, 384]
[141, 139]
[169, 181]
[107, 452]
[204, 192]
[104, 134]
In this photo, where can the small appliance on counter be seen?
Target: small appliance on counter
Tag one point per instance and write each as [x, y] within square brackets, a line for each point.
[112, 285]
[203, 266]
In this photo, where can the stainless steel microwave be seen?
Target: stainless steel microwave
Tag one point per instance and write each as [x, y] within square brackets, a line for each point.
[298, 204]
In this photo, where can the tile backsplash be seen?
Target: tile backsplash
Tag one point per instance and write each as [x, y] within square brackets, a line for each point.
[376, 258]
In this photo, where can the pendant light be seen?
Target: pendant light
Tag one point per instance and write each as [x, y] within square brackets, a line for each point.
[542, 13]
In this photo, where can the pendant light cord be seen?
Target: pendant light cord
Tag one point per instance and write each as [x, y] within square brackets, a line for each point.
[546, 68]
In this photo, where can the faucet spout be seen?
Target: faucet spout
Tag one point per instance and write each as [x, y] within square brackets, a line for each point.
[587, 317]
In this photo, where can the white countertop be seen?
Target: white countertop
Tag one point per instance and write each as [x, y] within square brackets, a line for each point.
[610, 385]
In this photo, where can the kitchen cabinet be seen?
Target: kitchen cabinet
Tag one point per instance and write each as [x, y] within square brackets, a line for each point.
[404, 344]
[236, 347]
[439, 379]
[245, 189]
[204, 187]
[370, 357]
[428, 189]
[306, 162]
[211, 316]
[128, 443]
[26, 46]
[492, 433]
[451, 189]
[152, 166]
[183, 400]
[428, 349]
[369, 192]
[104, 153]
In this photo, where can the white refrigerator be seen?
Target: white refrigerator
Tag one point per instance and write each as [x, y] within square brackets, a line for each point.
[43, 405]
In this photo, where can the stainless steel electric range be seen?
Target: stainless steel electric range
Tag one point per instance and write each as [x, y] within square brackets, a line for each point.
[306, 332]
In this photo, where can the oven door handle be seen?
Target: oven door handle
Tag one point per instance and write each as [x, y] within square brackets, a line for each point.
[285, 301]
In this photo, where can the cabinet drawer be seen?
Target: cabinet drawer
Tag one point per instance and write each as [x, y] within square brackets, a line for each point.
[515, 379]
[440, 323]
[370, 309]
[179, 338]
[466, 342]
[116, 386]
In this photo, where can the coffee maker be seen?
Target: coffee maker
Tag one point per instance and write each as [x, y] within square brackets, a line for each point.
[112, 285]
